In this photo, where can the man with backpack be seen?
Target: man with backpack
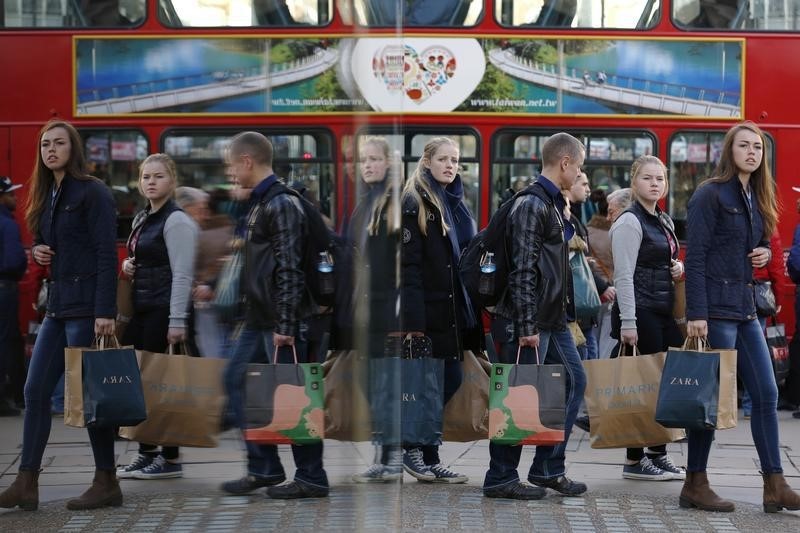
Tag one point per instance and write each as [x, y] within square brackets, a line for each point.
[537, 301]
[278, 309]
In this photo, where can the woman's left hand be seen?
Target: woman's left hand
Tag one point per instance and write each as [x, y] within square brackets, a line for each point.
[176, 335]
[104, 326]
[759, 257]
[676, 269]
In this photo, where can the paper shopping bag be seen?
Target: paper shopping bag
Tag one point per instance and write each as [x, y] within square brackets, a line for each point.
[184, 398]
[466, 415]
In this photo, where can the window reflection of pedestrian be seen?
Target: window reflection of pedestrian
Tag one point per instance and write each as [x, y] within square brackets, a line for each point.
[13, 264]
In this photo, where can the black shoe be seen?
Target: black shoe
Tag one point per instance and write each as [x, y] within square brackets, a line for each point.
[296, 489]
[783, 405]
[9, 410]
[796, 414]
[516, 491]
[561, 484]
[248, 484]
[583, 423]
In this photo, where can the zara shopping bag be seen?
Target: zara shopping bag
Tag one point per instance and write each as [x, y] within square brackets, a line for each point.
[103, 387]
[527, 403]
[698, 388]
[621, 396]
[184, 397]
[284, 403]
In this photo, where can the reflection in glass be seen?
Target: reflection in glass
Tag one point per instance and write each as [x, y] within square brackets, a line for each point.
[750, 15]
[73, 14]
[628, 14]
[417, 12]
[216, 13]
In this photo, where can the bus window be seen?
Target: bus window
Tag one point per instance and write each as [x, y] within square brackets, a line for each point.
[114, 157]
[74, 14]
[516, 160]
[410, 146]
[205, 14]
[622, 14]
[749, 15]
[417, 12]
[304, 160]
[692, 158]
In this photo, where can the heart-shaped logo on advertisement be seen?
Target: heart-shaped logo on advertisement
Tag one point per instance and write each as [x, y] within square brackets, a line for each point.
[417, 74]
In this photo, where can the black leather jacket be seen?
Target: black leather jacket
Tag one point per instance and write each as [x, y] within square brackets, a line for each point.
[272, 279]
[539, 291]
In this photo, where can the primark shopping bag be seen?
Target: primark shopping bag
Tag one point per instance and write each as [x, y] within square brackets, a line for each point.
[284, 403]
[621, 396]
[527, 403]
[466, 414]
[103, 387]
[778, 350]
[184, 397]
[698, 388]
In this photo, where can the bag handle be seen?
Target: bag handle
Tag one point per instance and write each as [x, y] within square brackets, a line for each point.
[700, 344]
[535, 349]
[294, 354]
[103, 342]
[622, 349]
[182, 349]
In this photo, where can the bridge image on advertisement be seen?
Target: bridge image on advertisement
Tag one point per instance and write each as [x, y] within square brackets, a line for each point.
[163, 94]
[618, 91]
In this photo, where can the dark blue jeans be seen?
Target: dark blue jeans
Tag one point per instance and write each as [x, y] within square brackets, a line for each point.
[256, 346]
[46, 368]
[549, 460]
[754, 367]
[453, 375]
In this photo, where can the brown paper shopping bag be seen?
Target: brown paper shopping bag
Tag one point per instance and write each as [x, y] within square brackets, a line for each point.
[184, 397]
[466, 415]
[621, 396]
[347, 412]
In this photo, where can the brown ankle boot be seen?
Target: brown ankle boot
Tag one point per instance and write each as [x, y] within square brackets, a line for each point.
[778, 494]
[23, 492]
[697, 493]
[104, 492]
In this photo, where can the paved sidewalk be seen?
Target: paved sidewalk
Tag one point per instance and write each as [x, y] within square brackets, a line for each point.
[195, 503]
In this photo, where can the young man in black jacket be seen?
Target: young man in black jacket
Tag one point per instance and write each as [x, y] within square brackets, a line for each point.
[537, 301]
[276, 316]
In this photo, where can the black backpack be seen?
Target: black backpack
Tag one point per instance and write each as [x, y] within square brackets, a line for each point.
[492, 239]
[331, 289]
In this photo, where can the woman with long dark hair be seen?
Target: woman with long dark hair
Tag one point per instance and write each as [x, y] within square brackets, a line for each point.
[72, 218]
[732, 216]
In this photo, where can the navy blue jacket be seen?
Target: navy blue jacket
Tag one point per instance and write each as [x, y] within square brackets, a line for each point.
[81, 228]
[12, 255]
[722, 230]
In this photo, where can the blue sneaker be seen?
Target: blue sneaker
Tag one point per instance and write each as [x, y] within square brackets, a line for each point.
[139, 462]
[414, 464]
[160, 468]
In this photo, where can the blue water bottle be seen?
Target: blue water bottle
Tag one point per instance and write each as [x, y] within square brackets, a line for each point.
[325, 269]
[488, 268]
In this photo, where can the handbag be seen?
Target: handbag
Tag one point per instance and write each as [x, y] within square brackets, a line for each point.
[527, 403]
[697, 388]
[227, 296]
[102, 386]
[765, 298]
[587, 300]
[779, 350]
[284, 403]
[621, 396]
[184, 397]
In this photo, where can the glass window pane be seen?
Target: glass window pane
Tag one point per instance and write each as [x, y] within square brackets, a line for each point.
[304, 158]
[609, 157]
[749, 15]
[628, 14]
[417, 12]
[114, 157]
[221, 13]
[73, 14]
[692, 158]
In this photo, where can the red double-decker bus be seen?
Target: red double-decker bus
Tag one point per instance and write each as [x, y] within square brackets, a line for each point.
[628, 77]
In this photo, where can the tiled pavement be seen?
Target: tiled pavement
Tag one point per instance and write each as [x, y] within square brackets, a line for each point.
[195, 503]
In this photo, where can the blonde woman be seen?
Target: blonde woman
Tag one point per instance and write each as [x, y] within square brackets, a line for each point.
[645, 254]
[436, 226]
[161, 252]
